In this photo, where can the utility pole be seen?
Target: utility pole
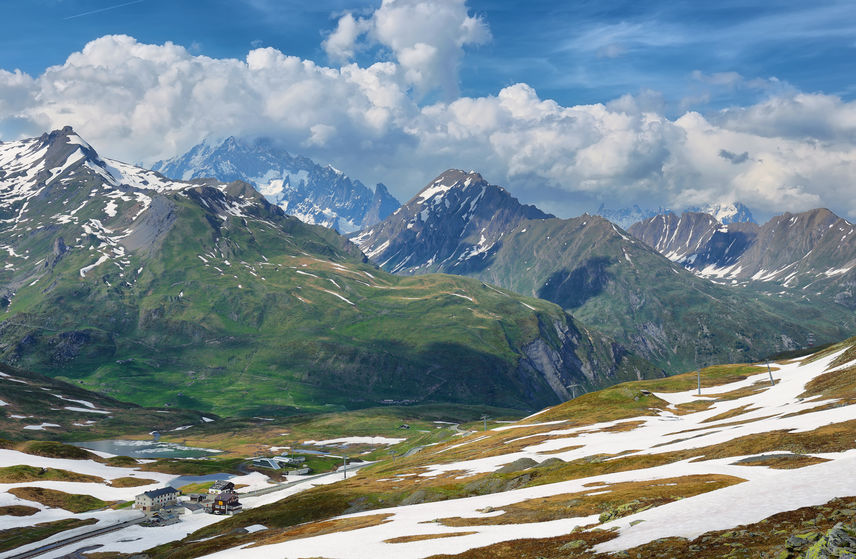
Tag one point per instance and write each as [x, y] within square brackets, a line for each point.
[344, 467]
[770, 372]
[698, 373]
[484, 418]
[573, 388]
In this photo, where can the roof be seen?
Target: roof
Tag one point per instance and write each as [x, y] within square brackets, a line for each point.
[158, 492]
[221, 484]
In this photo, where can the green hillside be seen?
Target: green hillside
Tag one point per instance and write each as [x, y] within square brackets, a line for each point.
[209, 298]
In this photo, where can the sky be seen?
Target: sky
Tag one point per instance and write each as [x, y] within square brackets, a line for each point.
[569, 105]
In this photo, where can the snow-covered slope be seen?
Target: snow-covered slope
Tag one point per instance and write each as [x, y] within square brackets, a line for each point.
[317, 194]
[620, 468]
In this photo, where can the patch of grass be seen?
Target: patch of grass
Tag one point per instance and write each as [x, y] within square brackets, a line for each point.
[423, 537]
[131, 482]
[840, 384]
[16, 537]
[196, 487]
[325, 527]
[71, 502]
[781, 461]
[121, 461]
[740, 410]
[611, 500]
[51, 449]
[184, 466]
[575, 544]
[22, 474]
[622, 401]
[18, 510]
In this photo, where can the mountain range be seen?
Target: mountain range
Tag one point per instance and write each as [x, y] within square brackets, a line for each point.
[812, 254]
[315, 194]
[203, 295]
[735, 212]
[461, 224]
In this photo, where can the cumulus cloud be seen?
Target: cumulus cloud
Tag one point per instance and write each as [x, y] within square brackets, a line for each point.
[426, 39]
[142, 102]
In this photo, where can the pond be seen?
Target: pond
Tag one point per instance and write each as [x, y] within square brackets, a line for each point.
[181, 481]
[146, 449]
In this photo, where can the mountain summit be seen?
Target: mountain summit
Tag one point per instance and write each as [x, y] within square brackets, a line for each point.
[455, 221]
[315, 194]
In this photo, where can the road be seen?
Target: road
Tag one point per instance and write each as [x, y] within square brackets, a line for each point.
[74, 539]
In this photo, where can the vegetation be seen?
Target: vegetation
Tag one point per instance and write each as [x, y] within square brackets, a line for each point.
[18, 510]
[58, 499]
[131, 482]
[16, 537]
[266, 316]
[188, 467]
[21, 474]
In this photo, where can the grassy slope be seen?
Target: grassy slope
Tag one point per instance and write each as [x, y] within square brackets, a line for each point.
[229, 341]
[633, 294]
[29, 400]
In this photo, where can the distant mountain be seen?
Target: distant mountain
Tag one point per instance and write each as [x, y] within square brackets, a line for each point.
[724, 213]
[203, 295]
[813, 252]
[460, 224]
[313, 193]
[453, 223]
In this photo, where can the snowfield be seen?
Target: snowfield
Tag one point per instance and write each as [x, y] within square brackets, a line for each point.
[735, 410]
[760, 496]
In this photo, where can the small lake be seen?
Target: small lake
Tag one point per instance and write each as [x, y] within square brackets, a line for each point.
[181, 481]
[146, 449]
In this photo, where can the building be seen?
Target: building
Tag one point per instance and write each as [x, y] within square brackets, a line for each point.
[221, 486]
[224, 503]
[156, 499]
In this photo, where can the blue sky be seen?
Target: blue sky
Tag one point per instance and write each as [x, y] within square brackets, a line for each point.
[573, 52]
[569, 104]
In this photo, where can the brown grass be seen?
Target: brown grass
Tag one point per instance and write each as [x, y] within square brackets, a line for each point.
[693, 407]
[730, 413]
[18, 510]
[783, 461]
[24, 474]
[131, 482]
[717, 426]
[836, 437]
[837, 384]
[563, 449]
[738, 393]
[423, 537]
[325, 527]
[640, 494]
[762, 539]
[58, 499]
[619, 427]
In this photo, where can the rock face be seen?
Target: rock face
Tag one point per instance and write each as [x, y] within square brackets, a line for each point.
[839, 542]
[313, 193]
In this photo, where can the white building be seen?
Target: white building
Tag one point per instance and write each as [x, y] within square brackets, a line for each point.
[151, 501]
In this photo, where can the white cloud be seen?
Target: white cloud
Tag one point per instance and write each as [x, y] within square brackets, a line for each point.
[426, 38]
[144, 102]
